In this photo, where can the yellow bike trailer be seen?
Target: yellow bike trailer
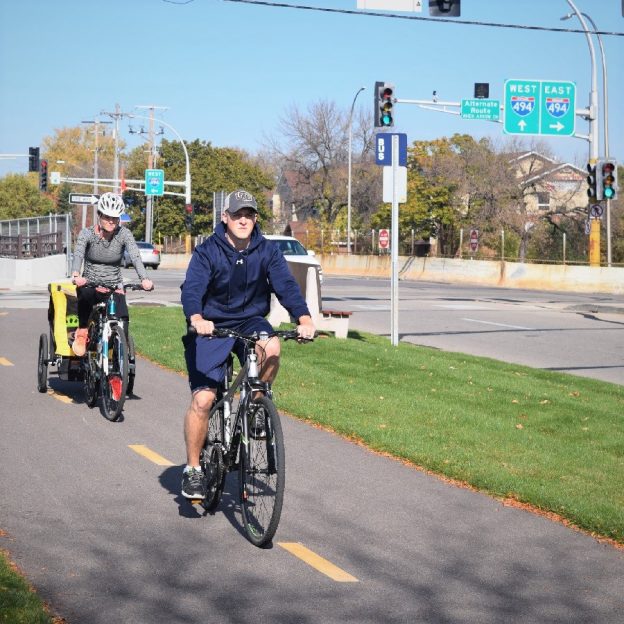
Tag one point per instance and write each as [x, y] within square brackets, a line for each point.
[63, 322]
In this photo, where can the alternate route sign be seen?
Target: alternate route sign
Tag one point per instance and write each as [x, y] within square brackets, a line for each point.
[480, 108]
[86, 199]
[545, 107]
[154, 182]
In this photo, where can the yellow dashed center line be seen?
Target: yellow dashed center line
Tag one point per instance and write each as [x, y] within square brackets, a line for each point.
[159, 460]
[60, 397]
[5, 362]
[318, 563]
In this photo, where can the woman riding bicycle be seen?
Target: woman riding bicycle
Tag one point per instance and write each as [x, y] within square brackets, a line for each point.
[101, 248]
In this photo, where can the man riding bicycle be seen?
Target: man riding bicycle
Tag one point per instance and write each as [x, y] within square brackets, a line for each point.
[228, 283]
[101, 248]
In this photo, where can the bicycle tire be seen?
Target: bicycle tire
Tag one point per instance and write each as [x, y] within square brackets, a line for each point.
[211, 461]
[90, 381]
[42, 364]
[115, 382]
[262, 473]
[131, 366]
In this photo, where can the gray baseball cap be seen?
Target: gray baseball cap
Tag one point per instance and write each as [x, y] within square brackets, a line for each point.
[239, 199]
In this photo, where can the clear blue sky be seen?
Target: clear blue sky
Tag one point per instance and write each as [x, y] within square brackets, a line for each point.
[228, 71]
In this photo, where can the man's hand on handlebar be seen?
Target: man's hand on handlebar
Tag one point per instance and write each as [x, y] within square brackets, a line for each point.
[78, 280]
[201, 325]
[306, 329]
[147, 284]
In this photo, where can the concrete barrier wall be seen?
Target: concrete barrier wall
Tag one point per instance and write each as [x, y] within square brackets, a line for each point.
[32, 272]
[455, 271]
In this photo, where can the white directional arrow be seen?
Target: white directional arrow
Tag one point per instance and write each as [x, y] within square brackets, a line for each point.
[558, 126]
[76, 198]
[522, 124]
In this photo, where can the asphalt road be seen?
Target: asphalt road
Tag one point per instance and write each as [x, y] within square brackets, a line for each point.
[574, 333]
[104, 536]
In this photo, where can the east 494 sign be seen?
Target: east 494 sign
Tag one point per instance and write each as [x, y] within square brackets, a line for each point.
[540, 107]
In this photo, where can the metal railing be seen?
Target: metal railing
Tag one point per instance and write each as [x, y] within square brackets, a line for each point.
[33, 246]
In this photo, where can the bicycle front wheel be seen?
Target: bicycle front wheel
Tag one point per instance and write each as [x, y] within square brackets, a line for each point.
[211, 461]
[262, 472]
[115, 382]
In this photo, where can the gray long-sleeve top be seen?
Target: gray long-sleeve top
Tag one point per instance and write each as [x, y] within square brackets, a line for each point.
[102, 258]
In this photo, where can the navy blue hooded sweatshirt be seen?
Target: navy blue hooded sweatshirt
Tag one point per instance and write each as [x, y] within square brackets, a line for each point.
[226, 285]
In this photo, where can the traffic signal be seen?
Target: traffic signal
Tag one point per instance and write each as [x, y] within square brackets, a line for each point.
[482, 90]
[43, 175]
[383, 105]
[591, 182]
[444, 8]
[33, 159]
[606, 173]
[189, 216]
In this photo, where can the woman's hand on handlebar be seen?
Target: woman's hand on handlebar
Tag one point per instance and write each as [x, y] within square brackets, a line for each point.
[147, 284]
[201, 325]
[78, 280]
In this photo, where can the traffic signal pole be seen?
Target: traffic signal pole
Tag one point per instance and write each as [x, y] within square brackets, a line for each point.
[592, 118]
[394, 245]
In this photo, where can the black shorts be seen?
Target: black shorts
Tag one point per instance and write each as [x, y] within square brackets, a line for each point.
[206, 357]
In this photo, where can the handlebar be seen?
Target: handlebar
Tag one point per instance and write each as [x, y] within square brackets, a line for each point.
[224, 332]
[128, 286]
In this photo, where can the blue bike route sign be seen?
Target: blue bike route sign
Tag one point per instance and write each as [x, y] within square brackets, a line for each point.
[540, 107]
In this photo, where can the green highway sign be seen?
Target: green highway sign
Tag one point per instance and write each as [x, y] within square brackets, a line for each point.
[540, 107]
[480, 108]
[154, 182]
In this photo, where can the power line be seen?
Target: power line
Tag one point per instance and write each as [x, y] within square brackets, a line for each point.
[283, 5]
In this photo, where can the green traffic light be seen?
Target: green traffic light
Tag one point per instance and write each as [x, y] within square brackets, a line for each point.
[609, 193]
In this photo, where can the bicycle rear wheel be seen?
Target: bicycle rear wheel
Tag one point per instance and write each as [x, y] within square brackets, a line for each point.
[262, 473]
[131, 367]
[211, 461]
[90, 379]
[115, 383]
[42, 364]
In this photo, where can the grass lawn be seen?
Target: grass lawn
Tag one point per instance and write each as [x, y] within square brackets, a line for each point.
[550, 440]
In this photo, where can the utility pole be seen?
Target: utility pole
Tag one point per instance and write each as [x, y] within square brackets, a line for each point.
[96, 132]
[116, 116]
[149, 219]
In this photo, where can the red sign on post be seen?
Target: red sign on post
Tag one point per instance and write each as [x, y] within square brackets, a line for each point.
[474, 240]
[384, 239]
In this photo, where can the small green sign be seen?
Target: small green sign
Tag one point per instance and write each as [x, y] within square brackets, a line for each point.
[154, 182]
[480, 108]
[540, 107]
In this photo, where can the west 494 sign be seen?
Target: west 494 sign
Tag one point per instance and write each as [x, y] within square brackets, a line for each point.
[540, 107]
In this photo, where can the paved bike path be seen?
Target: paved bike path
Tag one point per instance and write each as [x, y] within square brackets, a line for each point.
[104, 536]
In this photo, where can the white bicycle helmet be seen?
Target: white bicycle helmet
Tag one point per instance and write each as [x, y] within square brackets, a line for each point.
[111, 205]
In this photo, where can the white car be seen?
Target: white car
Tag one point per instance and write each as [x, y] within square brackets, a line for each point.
[150, 256]
[295, 251]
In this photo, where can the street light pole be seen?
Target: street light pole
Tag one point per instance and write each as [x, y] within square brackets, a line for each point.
[187, 177]
[605, 125]
[594, 234]
[349, 174]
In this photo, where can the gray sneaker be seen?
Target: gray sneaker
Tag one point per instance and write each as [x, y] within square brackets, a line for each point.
[193, 484]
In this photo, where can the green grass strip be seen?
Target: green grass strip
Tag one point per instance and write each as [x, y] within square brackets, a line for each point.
[18, 603]
[551, 440]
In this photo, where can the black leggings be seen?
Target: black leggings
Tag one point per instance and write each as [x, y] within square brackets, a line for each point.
[88, 296]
